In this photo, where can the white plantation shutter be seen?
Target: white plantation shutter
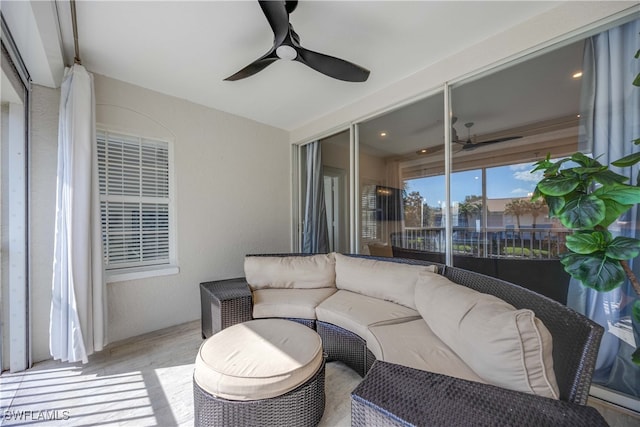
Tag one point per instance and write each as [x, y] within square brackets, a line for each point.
[134, 200]
[368, 222]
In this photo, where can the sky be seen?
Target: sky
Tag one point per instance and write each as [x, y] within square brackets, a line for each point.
[502, 182]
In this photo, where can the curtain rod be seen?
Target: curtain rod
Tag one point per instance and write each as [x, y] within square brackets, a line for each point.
[74, 22]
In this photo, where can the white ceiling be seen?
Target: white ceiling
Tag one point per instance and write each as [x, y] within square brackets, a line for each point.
[516, 97]
[186, 49]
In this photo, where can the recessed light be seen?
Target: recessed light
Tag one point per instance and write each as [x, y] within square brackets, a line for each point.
[383, 134]
[577, 75]
[423, 151]
[578, 116]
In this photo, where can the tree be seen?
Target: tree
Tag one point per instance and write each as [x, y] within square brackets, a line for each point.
[428, 215]
[536, 208]
[517, 207]
[413, 209]
[471, 207]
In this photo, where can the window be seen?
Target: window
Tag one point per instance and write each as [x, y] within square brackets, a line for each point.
[135, 201]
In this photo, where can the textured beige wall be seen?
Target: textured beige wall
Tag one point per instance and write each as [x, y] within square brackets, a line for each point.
[43, 164]
[232, 180]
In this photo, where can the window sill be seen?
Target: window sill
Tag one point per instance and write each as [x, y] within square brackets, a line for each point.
[141, 273]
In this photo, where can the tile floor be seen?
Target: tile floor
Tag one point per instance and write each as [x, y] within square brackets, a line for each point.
[146, 381]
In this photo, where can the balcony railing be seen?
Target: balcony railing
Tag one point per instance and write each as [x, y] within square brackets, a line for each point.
[523, 242]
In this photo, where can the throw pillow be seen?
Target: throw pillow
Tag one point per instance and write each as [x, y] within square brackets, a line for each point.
[506, 347]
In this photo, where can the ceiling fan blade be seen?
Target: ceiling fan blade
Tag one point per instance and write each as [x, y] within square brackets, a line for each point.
[331, 66]
[257, 65]
[291, 5]
[278, 18]
[471, 146]
[506, 138]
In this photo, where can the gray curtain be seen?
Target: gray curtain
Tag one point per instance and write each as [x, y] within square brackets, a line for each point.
[610, 121]
[315, 237]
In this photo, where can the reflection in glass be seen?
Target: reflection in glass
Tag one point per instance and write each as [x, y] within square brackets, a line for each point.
[405, 142]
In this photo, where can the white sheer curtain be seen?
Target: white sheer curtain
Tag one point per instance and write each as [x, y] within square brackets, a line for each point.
[610, 117]
[77, 324]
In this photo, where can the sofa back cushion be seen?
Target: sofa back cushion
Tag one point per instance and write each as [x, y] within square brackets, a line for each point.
[289, 272]
[386, 280]
[506, 347]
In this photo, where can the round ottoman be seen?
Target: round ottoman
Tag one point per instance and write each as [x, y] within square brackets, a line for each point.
[264, 372]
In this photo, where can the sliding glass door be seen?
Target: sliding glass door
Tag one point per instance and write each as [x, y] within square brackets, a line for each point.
[324, 212]
[14, 289]
[467, 200]
[395, 149]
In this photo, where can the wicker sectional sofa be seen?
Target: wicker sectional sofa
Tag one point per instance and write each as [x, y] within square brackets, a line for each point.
[418, 318]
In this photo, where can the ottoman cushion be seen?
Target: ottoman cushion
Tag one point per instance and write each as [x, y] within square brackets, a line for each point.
[258, 359]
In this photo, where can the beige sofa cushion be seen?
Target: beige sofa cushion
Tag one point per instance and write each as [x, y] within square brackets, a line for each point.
[355, 312]
[295, 303]
[390, 281]
[300, 272]
[415, 345]
[506, 347]
[258, 359]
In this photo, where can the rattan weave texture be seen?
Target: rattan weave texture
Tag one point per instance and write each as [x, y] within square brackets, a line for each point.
[309, 323]
[395, 395]
[345, 346]
[301, 407]
[224, 303]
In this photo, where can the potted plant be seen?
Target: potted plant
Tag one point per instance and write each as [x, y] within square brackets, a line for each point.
[588, 198]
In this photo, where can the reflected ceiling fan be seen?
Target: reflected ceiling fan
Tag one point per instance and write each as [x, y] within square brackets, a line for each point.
[471, 144]
[286, 45]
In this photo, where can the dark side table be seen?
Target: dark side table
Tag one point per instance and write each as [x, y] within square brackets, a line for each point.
[224, 303]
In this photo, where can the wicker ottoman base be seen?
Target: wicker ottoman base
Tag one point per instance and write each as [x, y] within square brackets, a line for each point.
[302, 406]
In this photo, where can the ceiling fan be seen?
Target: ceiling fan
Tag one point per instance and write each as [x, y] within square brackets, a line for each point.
[471, 144]
[286, 45]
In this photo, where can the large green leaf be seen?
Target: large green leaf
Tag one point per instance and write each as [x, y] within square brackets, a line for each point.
[608, 177]
[584, 160]
[559, 185]
[613, 212]
[585, 243]
[625, 194]
[584, 211]
[595, 271]
[622, 248]
[589, 170]
[555, 205]
[636, 310]
[629, 160]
